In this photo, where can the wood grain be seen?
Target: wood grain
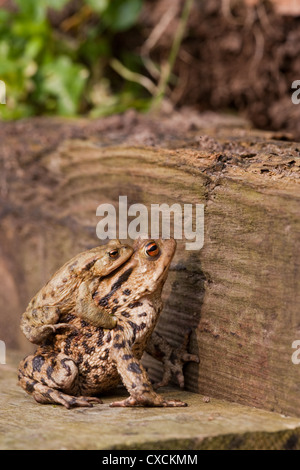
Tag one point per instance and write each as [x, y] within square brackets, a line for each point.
[202, 425]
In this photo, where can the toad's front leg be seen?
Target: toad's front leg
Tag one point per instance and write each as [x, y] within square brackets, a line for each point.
[136, 380]
[173, 359]
[87, 309]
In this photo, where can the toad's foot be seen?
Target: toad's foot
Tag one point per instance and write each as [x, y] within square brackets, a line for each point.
[53, 378]
[151, 399]
[39, 334]
[172, 359]
[47, 395]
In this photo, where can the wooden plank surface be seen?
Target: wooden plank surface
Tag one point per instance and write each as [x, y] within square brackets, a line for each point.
[216, 424]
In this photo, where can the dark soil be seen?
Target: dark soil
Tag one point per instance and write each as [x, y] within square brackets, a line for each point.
[238, 58]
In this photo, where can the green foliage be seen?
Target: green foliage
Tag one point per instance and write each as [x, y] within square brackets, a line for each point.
[64, 70]
[120, 15]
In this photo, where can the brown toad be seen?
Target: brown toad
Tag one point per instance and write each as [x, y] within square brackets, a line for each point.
[72, 367]
[72, 287]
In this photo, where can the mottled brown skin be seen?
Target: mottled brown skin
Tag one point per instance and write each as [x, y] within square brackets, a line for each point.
[71, 288]
[77, 365]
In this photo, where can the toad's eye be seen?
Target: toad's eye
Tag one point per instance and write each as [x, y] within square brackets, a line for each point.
[113, 254]
[152, 249]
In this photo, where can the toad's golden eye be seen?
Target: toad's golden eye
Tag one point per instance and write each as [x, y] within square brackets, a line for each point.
[113, 254]
[152, 249]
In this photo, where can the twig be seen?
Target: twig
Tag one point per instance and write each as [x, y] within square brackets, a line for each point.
[167, 69]
[133, 76]
[159, 30]
[152, 68]
[75, 20]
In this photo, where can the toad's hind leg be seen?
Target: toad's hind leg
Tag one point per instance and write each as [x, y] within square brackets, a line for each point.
[52, 379]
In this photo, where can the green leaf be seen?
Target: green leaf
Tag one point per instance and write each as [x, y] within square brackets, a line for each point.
[29, 28]
[4, 17]
[64, 81]
[94, 49]
[33, 9]
[56, 4]
[37, 9]
[121, 15]
[99, 6]
[46, 70]
[33, 47]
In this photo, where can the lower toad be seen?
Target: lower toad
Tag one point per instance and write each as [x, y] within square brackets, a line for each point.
[74, 367]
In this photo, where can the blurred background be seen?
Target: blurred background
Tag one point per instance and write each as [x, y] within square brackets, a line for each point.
[94, 58]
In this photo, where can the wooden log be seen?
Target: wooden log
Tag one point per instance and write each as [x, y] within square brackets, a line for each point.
[240, 294]
[206, 424]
